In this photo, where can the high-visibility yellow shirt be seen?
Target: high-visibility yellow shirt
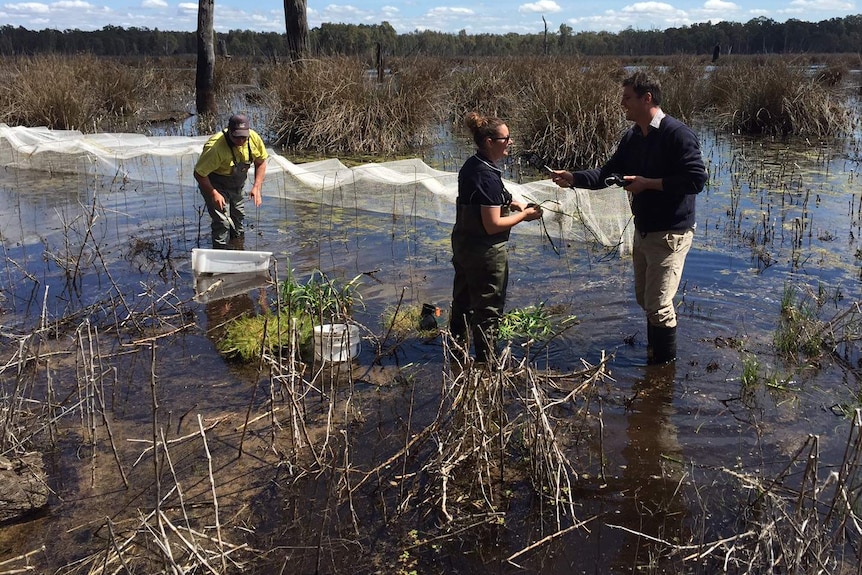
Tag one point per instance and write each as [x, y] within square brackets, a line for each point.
[216, 156]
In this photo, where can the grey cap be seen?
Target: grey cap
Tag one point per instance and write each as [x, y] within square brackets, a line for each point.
[237, 126]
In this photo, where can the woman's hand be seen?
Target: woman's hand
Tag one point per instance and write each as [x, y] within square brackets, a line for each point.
[532, 212]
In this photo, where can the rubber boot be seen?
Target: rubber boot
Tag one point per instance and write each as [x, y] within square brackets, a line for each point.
[650, 343]
[661, 344]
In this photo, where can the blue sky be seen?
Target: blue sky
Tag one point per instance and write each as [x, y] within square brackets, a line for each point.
[496, 17]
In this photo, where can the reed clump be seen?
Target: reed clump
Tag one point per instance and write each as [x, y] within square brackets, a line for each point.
[570, 112]
[684, 88]
[231, 73]
[779, 98]
[488, 86]
[334, 106]
[78, 92]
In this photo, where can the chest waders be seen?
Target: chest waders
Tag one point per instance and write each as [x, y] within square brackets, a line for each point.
[228, 224]
[481, 278]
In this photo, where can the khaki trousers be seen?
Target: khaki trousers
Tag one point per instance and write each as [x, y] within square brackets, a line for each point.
[658, 259]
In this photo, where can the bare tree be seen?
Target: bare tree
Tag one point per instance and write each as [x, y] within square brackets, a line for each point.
[296, 23]
[205, 75]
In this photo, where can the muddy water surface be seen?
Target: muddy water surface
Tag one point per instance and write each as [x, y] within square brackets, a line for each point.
[117, 257]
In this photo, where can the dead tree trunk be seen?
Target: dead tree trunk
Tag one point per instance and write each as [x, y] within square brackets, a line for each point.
[545, 41]
[205, 75]
[296, 24]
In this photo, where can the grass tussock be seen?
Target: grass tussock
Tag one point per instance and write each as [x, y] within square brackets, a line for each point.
[780, 98]
[246, 336]
[800, 330]
[409, 320]
[74, 93]
[334, 106]
[570, 112]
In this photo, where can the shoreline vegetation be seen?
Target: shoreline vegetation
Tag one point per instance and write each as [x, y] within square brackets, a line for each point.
[294, 473]
[565, 109]
[759, 35]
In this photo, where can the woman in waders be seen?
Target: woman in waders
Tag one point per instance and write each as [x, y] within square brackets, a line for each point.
[485, 215]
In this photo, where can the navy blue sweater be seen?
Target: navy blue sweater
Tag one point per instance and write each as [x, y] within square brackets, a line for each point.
[670, 152]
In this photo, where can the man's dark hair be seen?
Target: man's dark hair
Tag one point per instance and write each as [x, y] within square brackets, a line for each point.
[642, 82]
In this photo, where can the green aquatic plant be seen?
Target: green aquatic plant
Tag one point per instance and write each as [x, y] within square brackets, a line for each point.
[244, 336]
[406, 320]
[799, 329]
[750, 371]
[534, 321]
[320, 296]
[319, 300]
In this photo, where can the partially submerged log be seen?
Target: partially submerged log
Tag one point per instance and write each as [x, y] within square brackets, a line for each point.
[23, 486]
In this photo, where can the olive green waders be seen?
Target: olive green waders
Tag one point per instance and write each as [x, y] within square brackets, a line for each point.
[478, 292]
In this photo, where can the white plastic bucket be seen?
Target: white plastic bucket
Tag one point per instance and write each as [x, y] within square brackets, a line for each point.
[336, 342]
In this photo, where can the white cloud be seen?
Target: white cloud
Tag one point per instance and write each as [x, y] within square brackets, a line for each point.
[71, 5]
[650, 8]
[540, 7]
[821, 5]
[29, 7]
[343, 9]
[715, 11]
[443, 11]
[154, 4]
[720, 6]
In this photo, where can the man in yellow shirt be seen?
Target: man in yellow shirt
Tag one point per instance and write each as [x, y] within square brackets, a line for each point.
[221, 172]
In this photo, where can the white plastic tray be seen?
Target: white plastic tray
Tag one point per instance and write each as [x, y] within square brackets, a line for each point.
[206, 261]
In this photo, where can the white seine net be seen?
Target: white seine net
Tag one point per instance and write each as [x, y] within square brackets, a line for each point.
[401, 188]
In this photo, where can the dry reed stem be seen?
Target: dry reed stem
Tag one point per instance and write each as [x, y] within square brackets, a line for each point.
[213, 487]
[23, 557]
[179, 489]
[171, 441]
[511, 558]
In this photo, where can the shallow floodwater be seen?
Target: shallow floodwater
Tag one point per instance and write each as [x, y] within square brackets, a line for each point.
[772, 216]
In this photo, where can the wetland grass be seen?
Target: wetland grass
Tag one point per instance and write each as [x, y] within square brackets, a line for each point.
[778, 97]
[334, 107]
[84, 93]
[565, 109]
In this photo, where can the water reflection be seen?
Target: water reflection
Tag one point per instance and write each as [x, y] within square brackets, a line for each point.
[214, 287]
[651, 506]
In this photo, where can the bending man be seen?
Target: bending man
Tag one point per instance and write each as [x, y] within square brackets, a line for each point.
[221, 172]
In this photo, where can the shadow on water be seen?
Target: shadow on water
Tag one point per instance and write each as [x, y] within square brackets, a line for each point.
[649, 445]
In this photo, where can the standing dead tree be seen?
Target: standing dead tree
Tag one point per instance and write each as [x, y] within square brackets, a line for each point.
[205, 73]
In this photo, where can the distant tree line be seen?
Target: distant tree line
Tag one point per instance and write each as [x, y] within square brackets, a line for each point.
[758, 36]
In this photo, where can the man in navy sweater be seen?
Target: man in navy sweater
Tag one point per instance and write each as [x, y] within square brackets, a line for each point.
[660, 163]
